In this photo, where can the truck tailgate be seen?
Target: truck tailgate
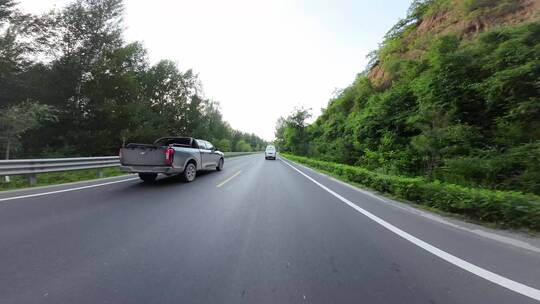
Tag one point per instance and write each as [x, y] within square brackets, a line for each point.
[143, 155]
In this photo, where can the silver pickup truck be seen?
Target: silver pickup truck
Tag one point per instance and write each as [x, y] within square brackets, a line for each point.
[170, 155]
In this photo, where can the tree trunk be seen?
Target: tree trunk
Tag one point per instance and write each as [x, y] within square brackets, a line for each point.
[8, 146]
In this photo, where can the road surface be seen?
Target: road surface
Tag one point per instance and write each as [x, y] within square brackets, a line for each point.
[257, 232]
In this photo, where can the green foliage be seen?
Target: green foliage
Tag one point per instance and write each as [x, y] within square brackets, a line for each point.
[6, 10]
[415, 14]
[476, 8]
[509, 209]
[291, 132]
[242, 146]
[18, 119]
[104, 90]
[467, 112]
[224, 145]
[516, 168]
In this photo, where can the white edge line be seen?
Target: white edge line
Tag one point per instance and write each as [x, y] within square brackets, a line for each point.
[65, 190]
[434, 217]
[77, 188]
[230, 158]
[80, 188]
[86, 181]
[228, 179]
[481, 272]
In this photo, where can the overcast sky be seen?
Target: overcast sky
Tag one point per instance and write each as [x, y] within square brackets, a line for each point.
[260, 59]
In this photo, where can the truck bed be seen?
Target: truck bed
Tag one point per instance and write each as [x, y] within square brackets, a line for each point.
[143, 155]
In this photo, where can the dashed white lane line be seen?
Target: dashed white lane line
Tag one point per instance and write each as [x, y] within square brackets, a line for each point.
[476, 270]
[228, 179]
[65, 190]
[80, 188]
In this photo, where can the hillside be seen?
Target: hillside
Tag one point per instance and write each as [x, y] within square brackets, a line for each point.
[453, 94]
[411, 37]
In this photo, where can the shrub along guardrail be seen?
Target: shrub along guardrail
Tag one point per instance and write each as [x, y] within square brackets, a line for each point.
[508, 209]
[32, 167]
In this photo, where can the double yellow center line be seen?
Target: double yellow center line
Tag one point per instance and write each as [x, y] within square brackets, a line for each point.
[228, 179]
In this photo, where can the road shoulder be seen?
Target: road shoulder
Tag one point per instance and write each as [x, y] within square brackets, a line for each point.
[516, 238]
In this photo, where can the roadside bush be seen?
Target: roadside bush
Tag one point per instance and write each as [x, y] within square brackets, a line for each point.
[508, 209]
[517, 169]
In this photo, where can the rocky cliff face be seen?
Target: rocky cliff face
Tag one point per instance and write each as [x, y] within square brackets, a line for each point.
[482, 18]
[463, 18]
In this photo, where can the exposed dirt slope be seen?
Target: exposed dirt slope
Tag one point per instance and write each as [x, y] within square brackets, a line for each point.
[453, 18]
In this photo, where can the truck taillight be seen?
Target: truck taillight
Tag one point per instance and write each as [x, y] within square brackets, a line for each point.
[169, 156]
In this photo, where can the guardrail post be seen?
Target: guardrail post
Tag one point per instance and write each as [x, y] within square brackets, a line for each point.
[32, 180]
[100, 173]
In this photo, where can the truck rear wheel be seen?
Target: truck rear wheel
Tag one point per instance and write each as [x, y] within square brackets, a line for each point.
[190, 171]
[148, 177]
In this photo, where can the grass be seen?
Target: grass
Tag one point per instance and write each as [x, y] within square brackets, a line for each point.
[55, 178]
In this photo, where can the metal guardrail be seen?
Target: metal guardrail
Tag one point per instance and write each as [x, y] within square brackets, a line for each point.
[31, 167]
[34, 166]
[232, 154]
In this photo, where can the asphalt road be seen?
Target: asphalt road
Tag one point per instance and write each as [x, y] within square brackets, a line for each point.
[257, 232]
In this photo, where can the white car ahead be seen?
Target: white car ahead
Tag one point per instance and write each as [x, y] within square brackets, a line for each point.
[270, 152]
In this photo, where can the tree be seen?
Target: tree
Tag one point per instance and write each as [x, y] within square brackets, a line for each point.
[242, 146]
[20, 39]
[465, 111]
[104, 90]
[279, 134]
[224, 145]
[6, 10]
[18, 119]
[291, 134]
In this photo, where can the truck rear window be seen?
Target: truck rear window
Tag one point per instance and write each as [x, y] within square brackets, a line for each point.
[183, 141]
